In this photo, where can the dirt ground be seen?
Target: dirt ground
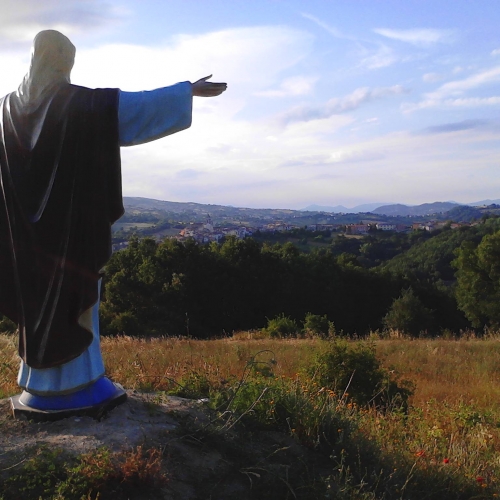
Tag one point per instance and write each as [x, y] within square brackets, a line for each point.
[200, 464]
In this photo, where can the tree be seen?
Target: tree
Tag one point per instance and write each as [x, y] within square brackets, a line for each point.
[408, 314]
[478, 280]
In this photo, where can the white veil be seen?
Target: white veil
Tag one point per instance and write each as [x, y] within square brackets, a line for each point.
[52, 59]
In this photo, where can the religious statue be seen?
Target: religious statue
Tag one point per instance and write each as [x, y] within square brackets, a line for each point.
[60, 192]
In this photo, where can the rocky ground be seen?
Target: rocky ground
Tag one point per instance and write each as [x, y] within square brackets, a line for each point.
[201, 460]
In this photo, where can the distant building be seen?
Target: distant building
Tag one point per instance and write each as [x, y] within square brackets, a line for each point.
[386, 226]
[357, 228]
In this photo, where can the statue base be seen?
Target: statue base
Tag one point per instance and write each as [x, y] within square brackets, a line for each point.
[92, 401]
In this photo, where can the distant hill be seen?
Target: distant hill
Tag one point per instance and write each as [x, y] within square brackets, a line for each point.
[424, 209]
[367, 207]
[484, 202]
[196, 212]
[167, 206]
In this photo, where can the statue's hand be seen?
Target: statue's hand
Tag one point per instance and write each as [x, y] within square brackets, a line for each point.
[202, 88]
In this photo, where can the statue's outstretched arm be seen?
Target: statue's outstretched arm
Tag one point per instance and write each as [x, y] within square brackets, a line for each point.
[202, 88]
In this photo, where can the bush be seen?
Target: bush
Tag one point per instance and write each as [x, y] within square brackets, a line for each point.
[408, 315]
[280, 327]
[318, 326]
[353, 369]
[6, 325]
[124, 323]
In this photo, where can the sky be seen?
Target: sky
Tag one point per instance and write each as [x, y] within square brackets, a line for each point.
[329, 102]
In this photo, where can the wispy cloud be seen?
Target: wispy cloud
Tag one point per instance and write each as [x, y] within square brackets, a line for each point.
[384, 56]
[356, 156]
[495, 52]
[459, 86]
[455, 127]
[336, 106]
[330, 29]
[22, 20]
[452, 93]
[296, 85]
[419, 37]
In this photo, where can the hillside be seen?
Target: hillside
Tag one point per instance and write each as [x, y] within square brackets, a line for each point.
[425, 209]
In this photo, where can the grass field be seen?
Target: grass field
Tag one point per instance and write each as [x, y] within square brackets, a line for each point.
[445, 445]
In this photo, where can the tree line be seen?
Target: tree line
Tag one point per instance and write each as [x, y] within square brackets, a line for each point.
[448, 280]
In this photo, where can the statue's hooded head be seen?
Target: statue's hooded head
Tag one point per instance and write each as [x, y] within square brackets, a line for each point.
[52, 59]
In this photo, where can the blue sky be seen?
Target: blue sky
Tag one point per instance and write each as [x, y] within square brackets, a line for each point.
[328, 102]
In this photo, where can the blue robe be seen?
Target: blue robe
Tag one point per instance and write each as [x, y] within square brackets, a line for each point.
[143, 117]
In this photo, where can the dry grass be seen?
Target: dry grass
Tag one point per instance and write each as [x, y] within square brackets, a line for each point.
[452, 371]
[9, 365]
[157, 364]
[449, 371]
[446, 443]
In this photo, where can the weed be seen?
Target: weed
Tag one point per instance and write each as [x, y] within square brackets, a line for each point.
[51, 474]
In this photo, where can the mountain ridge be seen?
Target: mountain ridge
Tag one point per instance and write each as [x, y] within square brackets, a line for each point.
[395, 209]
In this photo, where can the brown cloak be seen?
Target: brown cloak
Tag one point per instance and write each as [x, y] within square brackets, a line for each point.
[60, 191]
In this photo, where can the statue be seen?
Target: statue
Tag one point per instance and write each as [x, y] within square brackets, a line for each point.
[60, 192]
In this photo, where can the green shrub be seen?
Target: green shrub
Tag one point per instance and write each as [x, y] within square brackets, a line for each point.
[318, 326]
[280, 327]
[6, 325]
[354, 372]
[126, 323]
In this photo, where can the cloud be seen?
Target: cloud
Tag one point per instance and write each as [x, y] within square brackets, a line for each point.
[250, 59]
[473, 102]
[296, 85]
[307, 161]
[495, 52]
[330, 29]
[458, 87]
[432, 77]
[419, 37]
[336, 106]
[451, 93]
[356, 156]
[383, 57]
[454, 127]
[188, 173]
[22, 20]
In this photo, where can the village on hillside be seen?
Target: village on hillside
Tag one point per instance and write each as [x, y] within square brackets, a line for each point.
[207, 231]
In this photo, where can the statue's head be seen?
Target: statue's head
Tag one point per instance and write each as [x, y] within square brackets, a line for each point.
[52, 51]
[52, 58]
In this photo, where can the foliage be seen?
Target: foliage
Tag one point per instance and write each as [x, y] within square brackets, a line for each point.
[430, 259]
[408, 315]
[205, 291]
[6, 325]
[353, 371]
[280, 327]
[98, 475]
[464, 213]
[478, 280]
[318, 326]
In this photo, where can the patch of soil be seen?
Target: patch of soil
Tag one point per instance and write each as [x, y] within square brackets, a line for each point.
[201, 463]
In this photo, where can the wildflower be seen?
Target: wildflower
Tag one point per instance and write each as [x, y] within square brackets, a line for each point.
[446, 460]
[420, 453]
[479, 479]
